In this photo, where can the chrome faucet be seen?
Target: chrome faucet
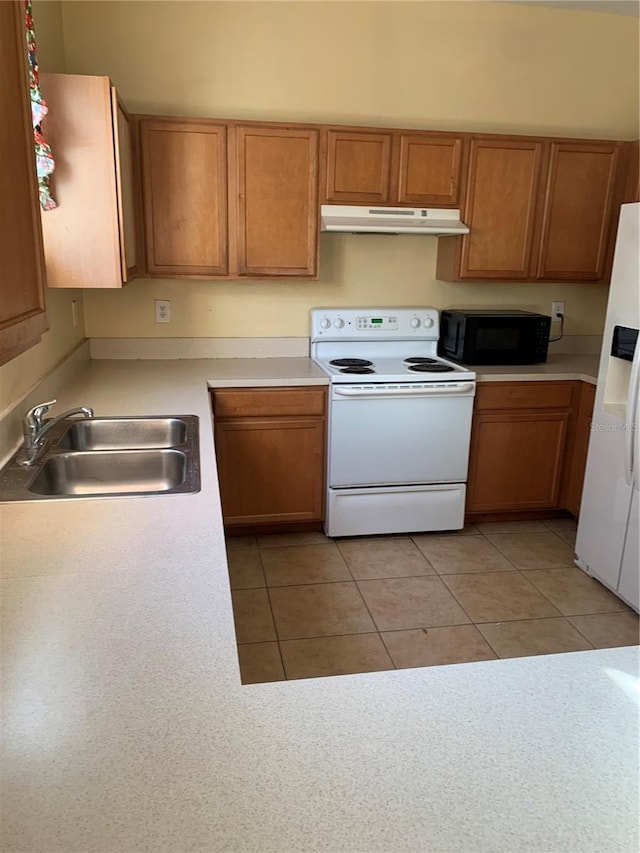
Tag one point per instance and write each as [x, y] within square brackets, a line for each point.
[35, 427]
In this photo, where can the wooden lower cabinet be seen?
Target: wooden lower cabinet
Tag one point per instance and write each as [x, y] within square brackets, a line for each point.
[270, 450]
[517, 460]
[577, 461]
[524, 448]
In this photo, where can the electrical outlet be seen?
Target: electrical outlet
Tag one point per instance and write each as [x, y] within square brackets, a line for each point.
[163, 311]
[557, 310]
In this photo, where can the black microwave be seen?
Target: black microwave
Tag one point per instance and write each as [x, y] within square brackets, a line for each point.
[477, 336]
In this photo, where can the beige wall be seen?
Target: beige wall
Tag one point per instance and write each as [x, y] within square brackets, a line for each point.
[21, 374]
[458, 65]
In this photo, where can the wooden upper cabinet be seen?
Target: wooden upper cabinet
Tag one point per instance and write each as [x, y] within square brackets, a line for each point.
[126, 197]
[576, 223]
[502, 192]
[89, 239]
[391, 168]
[429, 170]
[631, 190]
[22, 279]
[538, 210]
[184, 179]
[277, 200]
[358, 167]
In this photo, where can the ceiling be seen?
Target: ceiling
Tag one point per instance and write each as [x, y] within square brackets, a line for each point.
[613, 7]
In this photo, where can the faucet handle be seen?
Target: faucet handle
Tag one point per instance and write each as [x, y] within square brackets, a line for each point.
[36, 415]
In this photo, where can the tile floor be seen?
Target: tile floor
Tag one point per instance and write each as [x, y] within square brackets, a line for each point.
[307, 606]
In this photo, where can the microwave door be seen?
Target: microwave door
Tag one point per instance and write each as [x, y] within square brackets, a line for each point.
[498, 343]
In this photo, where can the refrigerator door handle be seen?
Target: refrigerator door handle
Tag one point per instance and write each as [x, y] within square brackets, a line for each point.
[631, 450]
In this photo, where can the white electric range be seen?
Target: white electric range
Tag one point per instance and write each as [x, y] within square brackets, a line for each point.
[399, 421]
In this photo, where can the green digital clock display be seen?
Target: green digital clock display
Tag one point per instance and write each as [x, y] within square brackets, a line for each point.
[376, 320]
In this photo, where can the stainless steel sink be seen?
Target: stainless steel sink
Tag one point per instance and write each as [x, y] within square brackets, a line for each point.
[111, 472]
[107, 457]
[117, 433]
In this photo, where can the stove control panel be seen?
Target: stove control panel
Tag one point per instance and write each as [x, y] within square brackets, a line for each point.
[374, 323]
[377, 323]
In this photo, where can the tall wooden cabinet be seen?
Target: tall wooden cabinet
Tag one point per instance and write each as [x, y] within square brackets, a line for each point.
[537, 210]
[375, 166]
[22, 277]
[226, 200]
[90, 239]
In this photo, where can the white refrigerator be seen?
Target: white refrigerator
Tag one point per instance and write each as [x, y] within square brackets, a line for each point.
[607, 545]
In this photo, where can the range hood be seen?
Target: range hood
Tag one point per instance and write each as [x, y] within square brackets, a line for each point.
[391, 220]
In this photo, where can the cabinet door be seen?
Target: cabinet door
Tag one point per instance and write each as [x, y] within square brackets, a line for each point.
[127, 224]
[572, 491]
[358, 167]
[82, 239]
[270, 469]
[502, 190]
[577, 224]
[516, 460]
[277, 191]
[429, 170]
[22, 281]
[184, 177]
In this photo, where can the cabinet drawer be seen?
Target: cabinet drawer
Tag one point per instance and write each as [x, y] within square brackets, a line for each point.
[265, 402]
[524, 395]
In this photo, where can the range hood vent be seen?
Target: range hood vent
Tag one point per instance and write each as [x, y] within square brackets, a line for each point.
[391, 220]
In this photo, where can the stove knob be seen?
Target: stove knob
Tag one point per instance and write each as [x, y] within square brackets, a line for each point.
[338, 323]
[325, 323]
[429, 322]
[415, 323]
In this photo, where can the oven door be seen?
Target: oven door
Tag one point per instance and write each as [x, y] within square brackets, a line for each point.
[400, 434]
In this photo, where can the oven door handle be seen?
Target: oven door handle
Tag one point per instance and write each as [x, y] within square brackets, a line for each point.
[462, 389]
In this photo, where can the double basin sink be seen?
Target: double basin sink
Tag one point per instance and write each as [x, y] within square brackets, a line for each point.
[100, 457]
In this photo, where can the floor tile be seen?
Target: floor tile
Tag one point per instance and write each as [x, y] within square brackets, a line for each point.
[420, 602]
[252, 616]
[556, 524]
[609, 630]
[510, 526]
[573, 592]
[533, 550]
[383, 558]
[568, 536]
[451, 555]
[335, 656]
[260, 662]
[304, 564]
[283, 540]
[467, 530]
[432, 646]
[239, 543]
[319, 610]
[533, 637]
[498, 596]
[245, 569]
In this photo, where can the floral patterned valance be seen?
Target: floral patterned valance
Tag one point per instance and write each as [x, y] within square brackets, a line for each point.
[44, 157]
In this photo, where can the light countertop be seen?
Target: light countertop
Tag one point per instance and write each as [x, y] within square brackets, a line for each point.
[246, 372]
[559, 367]
[127, 727]
[255, 372]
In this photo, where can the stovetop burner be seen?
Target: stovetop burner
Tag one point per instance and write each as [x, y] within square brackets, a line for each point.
[356, 369]
[351, 362]
[431, 368]
[418, 359]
